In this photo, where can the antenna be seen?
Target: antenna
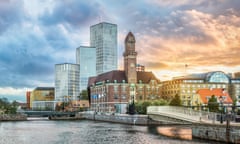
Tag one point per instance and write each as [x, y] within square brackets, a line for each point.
[100, 18]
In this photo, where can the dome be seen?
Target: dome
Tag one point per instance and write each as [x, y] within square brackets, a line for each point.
[217, 77]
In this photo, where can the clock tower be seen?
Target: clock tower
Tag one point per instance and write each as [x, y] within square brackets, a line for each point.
[130, 59]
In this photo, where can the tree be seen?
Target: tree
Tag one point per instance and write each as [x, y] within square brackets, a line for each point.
[176, 101]
[213, 104]
[159, 102]
[83, 95]
[7, 107]
[141, 106]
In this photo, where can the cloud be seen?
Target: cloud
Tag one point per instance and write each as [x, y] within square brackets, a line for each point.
[193, 37]
[24, 55]
[74, 13]
[11, 91]
[11, 12]
[36, 35]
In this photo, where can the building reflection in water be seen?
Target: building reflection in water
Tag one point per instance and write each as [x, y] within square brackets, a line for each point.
[175, 132]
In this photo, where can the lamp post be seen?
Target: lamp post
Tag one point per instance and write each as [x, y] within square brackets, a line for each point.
[228, 117]
[221, 104]
[132, 96]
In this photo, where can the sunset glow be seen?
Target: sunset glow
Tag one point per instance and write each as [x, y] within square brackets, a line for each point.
[173, 37]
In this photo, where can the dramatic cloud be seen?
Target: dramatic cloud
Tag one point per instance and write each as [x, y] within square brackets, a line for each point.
[75, 13]
[11, 12]
[36, 35]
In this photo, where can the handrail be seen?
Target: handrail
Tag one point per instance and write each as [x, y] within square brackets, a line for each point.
[183, 113]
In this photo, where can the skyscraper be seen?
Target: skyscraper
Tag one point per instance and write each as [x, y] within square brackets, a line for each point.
[66, 82]
[86, 58]
[103, 36]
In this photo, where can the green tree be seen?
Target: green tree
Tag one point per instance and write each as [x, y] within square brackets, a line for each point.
[7, 107]
[176, 101]
[141, 106]
[159, 102]
[213, 104]
[83, 95]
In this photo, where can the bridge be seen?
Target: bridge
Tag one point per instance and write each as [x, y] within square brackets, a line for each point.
[204, 124]
[48, 113]
[180, 115]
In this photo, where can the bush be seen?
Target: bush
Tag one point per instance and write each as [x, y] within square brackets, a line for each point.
[141, 106]
[176, 101]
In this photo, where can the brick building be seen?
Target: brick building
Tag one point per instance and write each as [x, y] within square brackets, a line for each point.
[113, 91]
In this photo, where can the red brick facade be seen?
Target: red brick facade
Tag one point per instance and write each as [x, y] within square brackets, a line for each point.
[113, 91]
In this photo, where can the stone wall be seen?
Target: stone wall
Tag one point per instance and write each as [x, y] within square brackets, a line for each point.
[216, 132]
[13, 117]
[118, 118]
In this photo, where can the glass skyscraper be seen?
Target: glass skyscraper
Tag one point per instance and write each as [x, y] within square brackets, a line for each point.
[66, 82]
[103, 36]
[86, 58]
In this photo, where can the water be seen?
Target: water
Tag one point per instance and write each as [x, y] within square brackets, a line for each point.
[89, 132]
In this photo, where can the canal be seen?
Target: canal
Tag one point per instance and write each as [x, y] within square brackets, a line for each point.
[91, 132]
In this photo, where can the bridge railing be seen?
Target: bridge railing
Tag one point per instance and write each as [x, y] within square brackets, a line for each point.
[196, 115]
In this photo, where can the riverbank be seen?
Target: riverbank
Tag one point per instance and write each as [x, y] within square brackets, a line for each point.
[77, 116]
[13, 117]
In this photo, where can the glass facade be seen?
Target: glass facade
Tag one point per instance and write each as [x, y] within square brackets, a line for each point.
[66, 82]
[103, 36]
[86, 58]
[218, 77]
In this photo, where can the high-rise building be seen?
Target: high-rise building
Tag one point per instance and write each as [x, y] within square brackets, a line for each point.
[66, 82]
[86, 58]
[103, 36]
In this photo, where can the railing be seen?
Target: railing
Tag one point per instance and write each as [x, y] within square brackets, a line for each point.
[184, 113]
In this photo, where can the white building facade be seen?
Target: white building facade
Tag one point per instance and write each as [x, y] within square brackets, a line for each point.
[66, 82]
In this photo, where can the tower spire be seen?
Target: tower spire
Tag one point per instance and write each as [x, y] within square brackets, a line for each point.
[130, 58]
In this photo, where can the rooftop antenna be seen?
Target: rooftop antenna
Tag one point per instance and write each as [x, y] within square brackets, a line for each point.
[100, 18]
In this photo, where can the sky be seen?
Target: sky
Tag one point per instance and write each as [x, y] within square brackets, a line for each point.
[173, 37]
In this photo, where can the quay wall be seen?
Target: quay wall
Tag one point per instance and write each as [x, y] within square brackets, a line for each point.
[13, 117]
[118, 118]
[216, 132]
[77, 116]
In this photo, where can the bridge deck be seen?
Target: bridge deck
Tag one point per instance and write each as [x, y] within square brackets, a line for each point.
[47, 113]
[184, 114]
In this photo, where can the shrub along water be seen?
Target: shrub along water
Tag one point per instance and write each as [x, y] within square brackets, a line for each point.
[7, 107]
[141, 106]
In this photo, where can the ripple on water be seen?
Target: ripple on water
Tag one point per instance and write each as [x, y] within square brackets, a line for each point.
[84, 132]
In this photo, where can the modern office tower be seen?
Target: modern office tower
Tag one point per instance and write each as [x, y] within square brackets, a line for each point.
[66, 82]
[103, 36]
[86, 58]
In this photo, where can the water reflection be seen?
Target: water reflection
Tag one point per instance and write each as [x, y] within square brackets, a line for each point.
[86, 132]
[176, 132]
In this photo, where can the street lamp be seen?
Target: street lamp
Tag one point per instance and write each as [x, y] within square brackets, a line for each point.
[132, 96]
[221, 104]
